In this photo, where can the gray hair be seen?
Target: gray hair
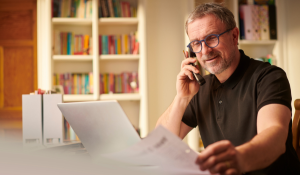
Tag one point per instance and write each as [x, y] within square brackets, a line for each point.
[220, 12]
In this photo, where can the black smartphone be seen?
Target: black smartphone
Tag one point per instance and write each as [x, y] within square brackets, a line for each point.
[198, 77]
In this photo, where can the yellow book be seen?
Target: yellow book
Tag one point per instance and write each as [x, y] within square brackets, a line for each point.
[119, 50]
[126, 44]
[91, 82]
[75, 84]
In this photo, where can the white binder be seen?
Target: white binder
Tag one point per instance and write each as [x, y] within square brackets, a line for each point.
[52, 119]
[32, 120]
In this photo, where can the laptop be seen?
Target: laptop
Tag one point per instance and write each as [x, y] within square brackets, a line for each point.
[101, 126]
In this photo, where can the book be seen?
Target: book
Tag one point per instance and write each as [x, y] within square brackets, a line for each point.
[111, 9]
[272, 22]
[264, 22]
[246, 11]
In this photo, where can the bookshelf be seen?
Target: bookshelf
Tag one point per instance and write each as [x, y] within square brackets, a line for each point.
[135, 105]
[254, 48]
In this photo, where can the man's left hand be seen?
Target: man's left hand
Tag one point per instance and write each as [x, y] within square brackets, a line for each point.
[220, 157]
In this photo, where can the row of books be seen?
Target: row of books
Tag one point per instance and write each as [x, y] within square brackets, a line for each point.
[68, 43]
[257, 22]
[116, 8]
[126, 82]
[118, 44]
[72, 8]
[82, 83]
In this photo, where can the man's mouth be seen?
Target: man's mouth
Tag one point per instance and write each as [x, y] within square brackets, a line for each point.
[211, 59]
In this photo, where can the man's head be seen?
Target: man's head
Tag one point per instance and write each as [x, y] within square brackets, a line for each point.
[208, 19]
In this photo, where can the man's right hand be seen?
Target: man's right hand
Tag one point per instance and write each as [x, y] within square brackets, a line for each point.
[186, 84]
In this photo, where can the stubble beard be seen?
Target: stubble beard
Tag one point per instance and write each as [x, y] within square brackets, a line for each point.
[217, 66]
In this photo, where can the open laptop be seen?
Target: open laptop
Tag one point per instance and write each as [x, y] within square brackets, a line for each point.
[101, 126]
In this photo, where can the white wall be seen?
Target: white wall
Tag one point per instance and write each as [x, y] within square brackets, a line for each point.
[165, 42]
[293, 45]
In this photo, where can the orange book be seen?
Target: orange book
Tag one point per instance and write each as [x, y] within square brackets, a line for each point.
[86, 44]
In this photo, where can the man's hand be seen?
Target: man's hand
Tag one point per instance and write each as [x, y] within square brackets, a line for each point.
[186, 84]
[220, 157]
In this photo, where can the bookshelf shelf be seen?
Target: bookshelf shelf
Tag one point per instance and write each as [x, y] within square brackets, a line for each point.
[119, 57]
[121, 97]
[72, 21]
[118, 21]
[77, 97]
[260, 42]
[72, 57]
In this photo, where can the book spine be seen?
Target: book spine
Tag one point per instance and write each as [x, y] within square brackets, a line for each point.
[272, 22]
[91, 82]
[110, 7]
[100, 44]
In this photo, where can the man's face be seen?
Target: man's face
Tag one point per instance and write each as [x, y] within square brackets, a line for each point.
[214, 60]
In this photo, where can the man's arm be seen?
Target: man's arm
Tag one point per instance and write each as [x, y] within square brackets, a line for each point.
[186, 87]
[272, 128]
[171, 118]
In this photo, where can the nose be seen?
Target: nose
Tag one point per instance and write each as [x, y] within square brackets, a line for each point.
[205, 49]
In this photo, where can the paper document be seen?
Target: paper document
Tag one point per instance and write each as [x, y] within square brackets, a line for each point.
[163, 149]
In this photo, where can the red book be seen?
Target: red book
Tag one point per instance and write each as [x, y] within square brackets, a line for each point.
[111, 44]
[123, 9]
[136, 48]
[127, 9]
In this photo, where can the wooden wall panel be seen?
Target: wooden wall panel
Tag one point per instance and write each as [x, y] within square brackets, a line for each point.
[18, 75]
[16, 25]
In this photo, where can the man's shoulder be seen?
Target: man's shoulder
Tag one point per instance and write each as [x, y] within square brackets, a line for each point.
[262, 68]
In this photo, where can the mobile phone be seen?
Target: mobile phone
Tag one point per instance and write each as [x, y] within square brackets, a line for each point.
[198, 77]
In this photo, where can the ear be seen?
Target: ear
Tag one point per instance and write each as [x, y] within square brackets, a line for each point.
[235, 34]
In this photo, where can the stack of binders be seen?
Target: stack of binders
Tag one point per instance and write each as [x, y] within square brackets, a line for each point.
[41, 119]
[257, 22]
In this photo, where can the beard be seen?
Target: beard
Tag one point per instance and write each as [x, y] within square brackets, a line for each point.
[217, 66]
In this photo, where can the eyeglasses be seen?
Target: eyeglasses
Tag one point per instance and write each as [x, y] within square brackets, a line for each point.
[211, 41]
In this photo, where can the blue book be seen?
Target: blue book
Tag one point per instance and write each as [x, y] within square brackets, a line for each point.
[69, 42]
[86, 84]
[104, 44]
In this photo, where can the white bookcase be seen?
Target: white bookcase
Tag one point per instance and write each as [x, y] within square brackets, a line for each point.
[135, 105]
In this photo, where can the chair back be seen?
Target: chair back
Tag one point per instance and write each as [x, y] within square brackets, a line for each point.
[296, 127]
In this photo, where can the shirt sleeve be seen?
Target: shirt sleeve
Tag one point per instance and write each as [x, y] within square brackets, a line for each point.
[273, 88]
[189, 116]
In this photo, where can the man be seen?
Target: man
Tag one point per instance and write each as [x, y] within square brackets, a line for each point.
[244, 109]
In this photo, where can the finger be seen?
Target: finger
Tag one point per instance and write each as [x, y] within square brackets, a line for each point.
[186, 54]
[225, 157]
[213, 149]
[219, 168]
[187, 62]
[231, 171]
[191, 68]
[218, 160]
[189, 74]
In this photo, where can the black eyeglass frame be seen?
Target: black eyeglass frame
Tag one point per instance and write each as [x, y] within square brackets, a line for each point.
[217, 35]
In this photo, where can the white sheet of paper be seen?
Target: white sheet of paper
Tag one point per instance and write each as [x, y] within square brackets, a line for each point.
[163, 149]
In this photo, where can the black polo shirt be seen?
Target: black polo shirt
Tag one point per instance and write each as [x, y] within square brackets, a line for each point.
[228, 111]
